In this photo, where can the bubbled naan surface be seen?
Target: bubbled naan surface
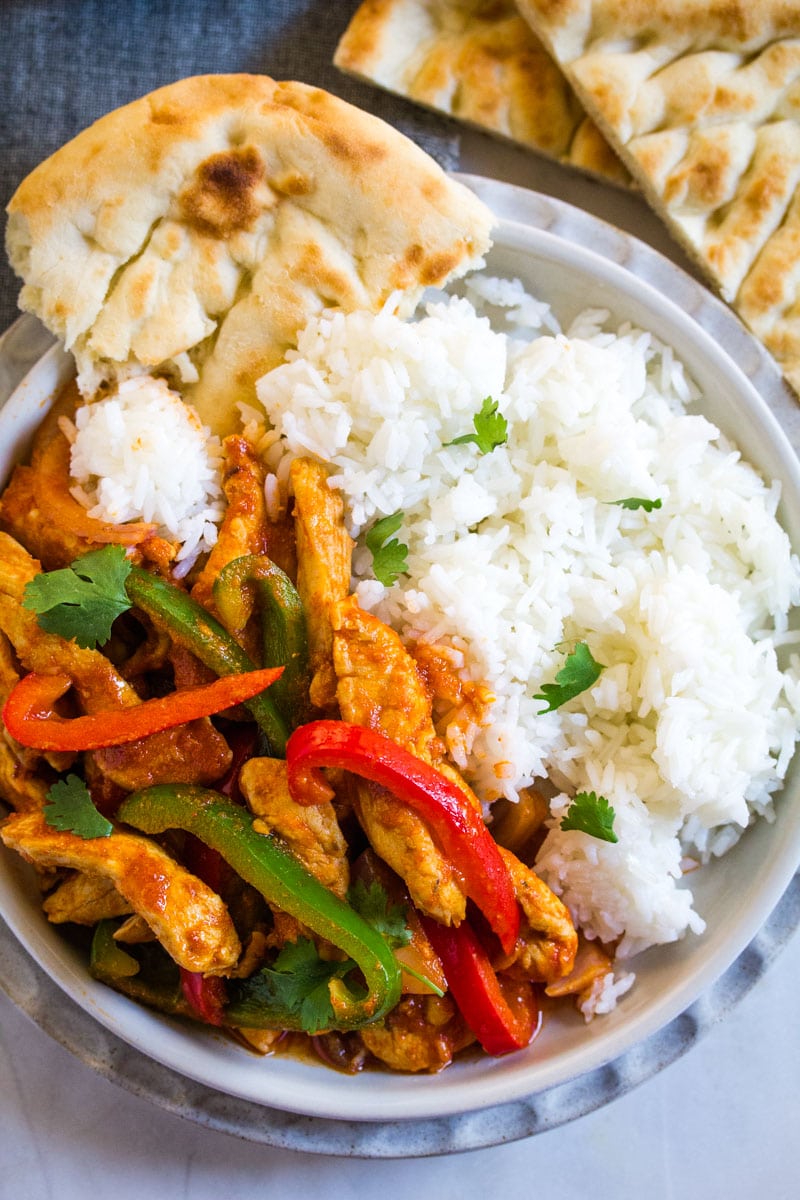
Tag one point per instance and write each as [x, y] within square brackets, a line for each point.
[193, 232]
[478, 61]
[702, 102]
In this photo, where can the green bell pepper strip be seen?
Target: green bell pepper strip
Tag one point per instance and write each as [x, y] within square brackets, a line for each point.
[194, 628]
[254, 579]
[113, 966]
[285, 883]
[108, 959]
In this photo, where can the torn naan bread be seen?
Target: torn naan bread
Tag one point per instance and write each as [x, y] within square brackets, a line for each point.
[478, 61]
[193, 232]
[702, 102]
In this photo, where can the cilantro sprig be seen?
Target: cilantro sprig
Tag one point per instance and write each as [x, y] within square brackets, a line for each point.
[490, 429]
[580, 671]
[387, 919]
[298, 981]
[592, 814]
[633, 502]
[70, 809]
[372, 903]
[389, 556]
[83, 600]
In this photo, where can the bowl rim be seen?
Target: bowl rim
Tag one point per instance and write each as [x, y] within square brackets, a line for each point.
[448, 1098]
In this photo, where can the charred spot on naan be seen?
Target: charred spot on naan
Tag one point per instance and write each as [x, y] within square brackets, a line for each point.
[229, 192]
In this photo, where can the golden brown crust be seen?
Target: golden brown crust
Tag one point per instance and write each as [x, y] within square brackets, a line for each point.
[699, 100]
[209, 220]
[572, 26]
[476, 60]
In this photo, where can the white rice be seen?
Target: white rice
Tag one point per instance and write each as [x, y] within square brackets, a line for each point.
[142, 454]
[517, 554]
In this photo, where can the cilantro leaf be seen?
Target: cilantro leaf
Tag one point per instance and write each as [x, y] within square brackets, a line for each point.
[82, 601]
[592, 814]
[372, 903]
[389, 556]
[300, 978]
[389, 920]
[71, 809]
[295, 984]
[579, 672]
[491, 429]
[298, 981]
[634, 502]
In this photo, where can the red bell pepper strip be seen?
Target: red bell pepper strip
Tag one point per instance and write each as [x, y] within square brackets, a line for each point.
[28, 711]
[206, 995]
[476, 990]
[455, 823]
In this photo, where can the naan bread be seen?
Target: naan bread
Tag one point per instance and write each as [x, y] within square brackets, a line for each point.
[702, 101]
[193, 232]
[476, 60]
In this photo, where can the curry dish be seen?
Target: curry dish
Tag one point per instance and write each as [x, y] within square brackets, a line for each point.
[305, 860]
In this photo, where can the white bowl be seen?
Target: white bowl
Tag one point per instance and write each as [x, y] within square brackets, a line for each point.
[735, 896]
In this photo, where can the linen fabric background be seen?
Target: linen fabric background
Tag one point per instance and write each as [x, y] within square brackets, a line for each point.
[63, 63]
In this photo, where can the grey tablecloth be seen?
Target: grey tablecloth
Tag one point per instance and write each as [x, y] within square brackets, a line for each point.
[63, 63]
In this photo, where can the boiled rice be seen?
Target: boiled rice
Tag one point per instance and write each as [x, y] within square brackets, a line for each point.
[515, 555]
[142, 454]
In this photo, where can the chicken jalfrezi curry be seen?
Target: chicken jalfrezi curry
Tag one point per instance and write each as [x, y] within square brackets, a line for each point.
[299, 861]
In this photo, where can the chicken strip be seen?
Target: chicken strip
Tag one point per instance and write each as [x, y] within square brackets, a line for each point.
[188, 918]
[135, 932]
[324, 550]
[84, 900]
[402, 840]
[244, 526]
[547, 941]
[311, 832]
[460, 705]
[593, 964]
[9, 675]
[379, 683]
[19, 786]
[381, 687]
[421, 1034]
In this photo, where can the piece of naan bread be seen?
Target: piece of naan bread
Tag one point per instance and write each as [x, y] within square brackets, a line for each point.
[702, 101]
[478, 61]
[192, 233]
